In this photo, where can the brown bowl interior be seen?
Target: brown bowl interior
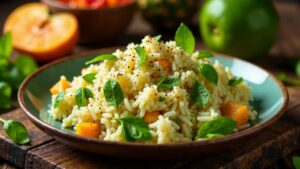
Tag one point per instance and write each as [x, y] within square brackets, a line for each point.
[97, 26]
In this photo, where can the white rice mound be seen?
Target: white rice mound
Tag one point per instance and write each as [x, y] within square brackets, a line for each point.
[180, 117]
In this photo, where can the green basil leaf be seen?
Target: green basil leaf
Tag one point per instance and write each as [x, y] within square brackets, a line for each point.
[296, 162]
[298, 68]
[25, 64]
[59, 98]
[168, 83]
[162, 98]
[135, 129]
[82, 95]
[235, 81]
[13, 76]
[5, 95]
[142, 55]
[113, 93]
[157, 38]
[199, 94]
[16, 131]
[4, 62]
[6, 45]
[101, 58]
[219, 125]
[204, 54]
[89, 77]
[214, 136]
[209, 73]
[185, 39]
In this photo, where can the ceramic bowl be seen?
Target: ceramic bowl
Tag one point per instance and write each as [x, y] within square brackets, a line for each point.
[97, 26]
[270, 100]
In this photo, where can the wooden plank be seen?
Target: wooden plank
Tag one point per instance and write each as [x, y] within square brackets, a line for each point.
[13, 152]
[57, 155]
[5, 165]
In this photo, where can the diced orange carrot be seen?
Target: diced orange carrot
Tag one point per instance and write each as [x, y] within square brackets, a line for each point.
[88, 129]
[165, 64]
[113, 3]
[60, 86]
[236, 111]
[151, 117]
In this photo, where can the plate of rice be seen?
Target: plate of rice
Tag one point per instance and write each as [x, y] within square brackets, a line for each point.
[154, 99]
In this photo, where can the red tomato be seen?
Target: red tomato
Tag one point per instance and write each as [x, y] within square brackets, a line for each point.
[99, 4]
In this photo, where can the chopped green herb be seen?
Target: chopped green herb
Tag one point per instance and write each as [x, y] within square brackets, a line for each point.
[134, 129]
[199, 94]
[235, 81]
[185, 39]
[16, 131]
[219, 126]
[162, 98]
[89, 77]
[113, 93]
[142, 55]
[209, 73]
[59, 98]
[168, 83]
[204, 54]
[82, 95]
[101, 58]
[157, 38]
[6, 45]
[296, 162]
[5, 95]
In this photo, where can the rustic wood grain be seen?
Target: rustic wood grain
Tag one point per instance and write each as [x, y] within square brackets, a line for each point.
[276, 142]
[13, 152]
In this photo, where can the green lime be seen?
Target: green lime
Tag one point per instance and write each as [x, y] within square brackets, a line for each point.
[242, 28]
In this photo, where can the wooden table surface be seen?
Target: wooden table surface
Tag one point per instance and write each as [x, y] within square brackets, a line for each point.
[273, 148]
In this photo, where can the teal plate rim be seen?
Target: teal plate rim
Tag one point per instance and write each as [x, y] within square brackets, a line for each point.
[234, 136]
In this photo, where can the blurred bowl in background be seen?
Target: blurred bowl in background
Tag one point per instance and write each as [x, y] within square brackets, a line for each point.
[97, 26]
[166, 15]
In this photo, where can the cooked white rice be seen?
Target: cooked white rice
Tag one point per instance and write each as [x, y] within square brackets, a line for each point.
[180, 118]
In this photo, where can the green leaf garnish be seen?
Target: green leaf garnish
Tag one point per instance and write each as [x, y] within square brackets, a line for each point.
[296, 162]
[157, 38]
[142, 55]
[214, 136]
[168, 83]
[89, 77]
[199, 94]
[204, 54]
[209, 73]
[82, 95]
[162, 98]
[134, 129]
[16, 131]
[113, 93]
[5, 95]
[219, 126]
[185, 39]
[101, 58]
[298, 68]
[59, 98]
[25, 64]
[6, 45]
[235, 81]
[288, 80]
